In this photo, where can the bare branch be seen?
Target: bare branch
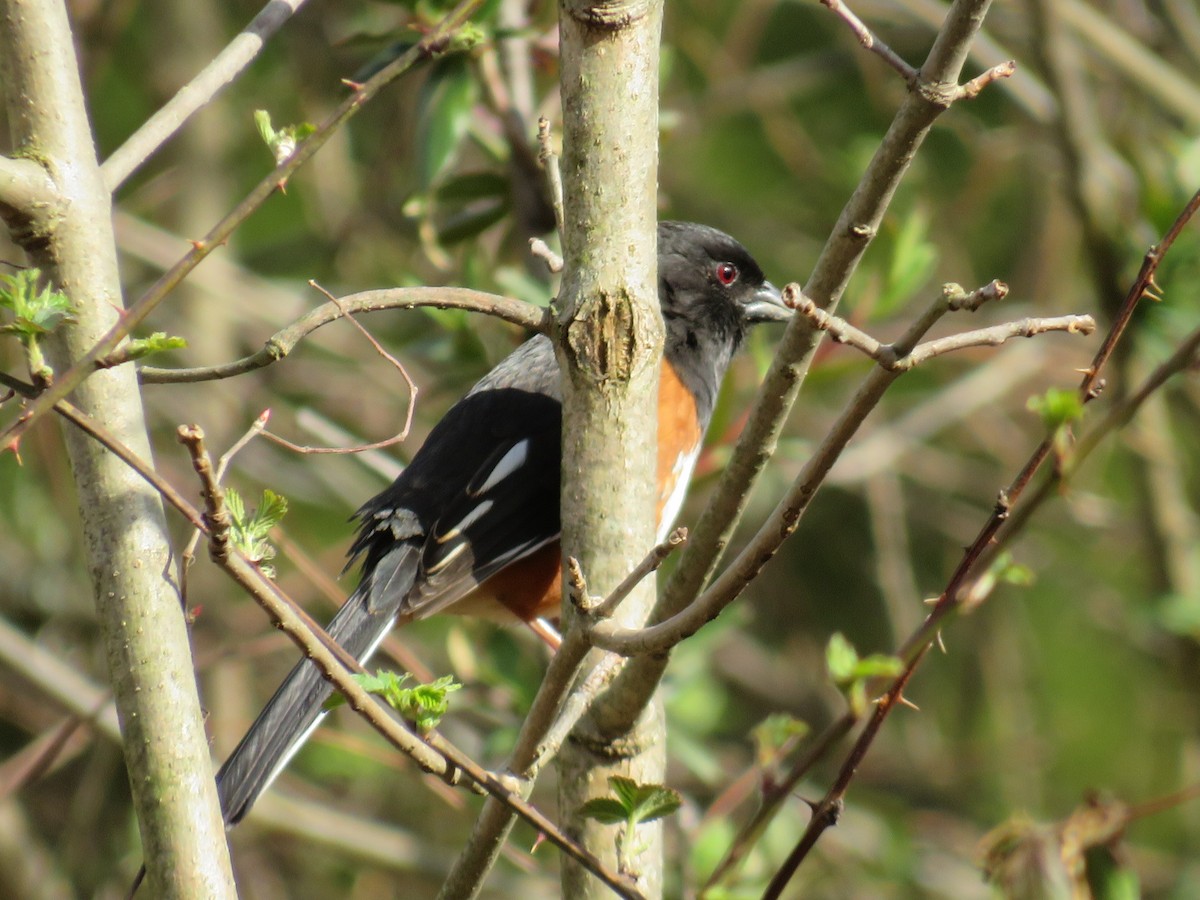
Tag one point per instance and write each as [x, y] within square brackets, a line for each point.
[786, 516]
[869, 41]
[996, 335]
[541, 250]
[971, 89]
[283, 342]
[25, 186]
[549, 161]
[853, 233]
[399, 366]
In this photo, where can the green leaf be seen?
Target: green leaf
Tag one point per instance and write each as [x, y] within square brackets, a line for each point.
[632, 803]
[34, 312]
[1108, 879]
[249, 530]
[471, 223]
[850, 672]
[1057, 407]
[774, 733]
[156, 343]
[606, 810]
[472, 186]
[1005, 570]
[282, 142]
[840, 658]
[424, 704]
[912, 262]
[445, 106]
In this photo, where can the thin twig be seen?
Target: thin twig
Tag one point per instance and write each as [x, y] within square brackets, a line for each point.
[188, 556]
[649, 564]
[549, 161]
[969, 90]
[285, 340]
[856, 227]
[542, 250]
[870, 42]
[399, 366]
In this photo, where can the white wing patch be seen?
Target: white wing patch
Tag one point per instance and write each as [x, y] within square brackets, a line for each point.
[509, 463]
[479, 511]
[681, 473]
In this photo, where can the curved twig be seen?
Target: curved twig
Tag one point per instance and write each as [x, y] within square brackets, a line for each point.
[284, 342]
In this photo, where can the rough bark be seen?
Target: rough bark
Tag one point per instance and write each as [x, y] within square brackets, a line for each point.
[610, 343]
[122, 517]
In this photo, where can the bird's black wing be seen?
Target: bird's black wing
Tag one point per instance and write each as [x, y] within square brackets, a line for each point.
[480, 494]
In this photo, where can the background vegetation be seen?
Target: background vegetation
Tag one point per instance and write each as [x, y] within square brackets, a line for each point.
[1054, 181]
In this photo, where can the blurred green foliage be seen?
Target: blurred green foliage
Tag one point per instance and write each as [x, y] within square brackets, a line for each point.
[1083, 679]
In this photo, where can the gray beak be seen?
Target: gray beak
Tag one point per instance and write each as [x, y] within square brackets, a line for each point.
[766, 305]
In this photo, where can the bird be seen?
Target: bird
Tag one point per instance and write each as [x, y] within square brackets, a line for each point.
[471, 526]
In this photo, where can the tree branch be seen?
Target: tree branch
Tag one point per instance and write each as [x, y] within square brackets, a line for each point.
[26, 191]
[283, 342]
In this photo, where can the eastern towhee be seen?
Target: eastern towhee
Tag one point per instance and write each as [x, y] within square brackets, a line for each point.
[471, 526]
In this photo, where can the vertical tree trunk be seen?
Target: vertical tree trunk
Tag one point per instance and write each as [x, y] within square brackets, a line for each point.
[610, 338]
[122, 517]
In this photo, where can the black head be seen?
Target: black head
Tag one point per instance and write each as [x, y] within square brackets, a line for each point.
[711, 289]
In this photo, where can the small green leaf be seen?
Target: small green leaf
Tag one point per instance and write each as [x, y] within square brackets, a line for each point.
[468, 36]
[471, 223]
[912, 262]
[473, 186]
[774, 733]
[605, 810]
[249, 530]
[1056, 407]
[156, 343]
[281, 142]
[637, 802]
[840, 658]
[850, 672]
[1108, 878]
[34, 312]
[424, 704]
[1005, 570]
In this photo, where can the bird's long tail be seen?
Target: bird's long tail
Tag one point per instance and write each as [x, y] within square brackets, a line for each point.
[294, 711]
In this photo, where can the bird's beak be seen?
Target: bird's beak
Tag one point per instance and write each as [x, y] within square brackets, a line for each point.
[766, 305]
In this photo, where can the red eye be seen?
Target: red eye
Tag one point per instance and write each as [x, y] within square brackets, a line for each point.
[727, 273]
